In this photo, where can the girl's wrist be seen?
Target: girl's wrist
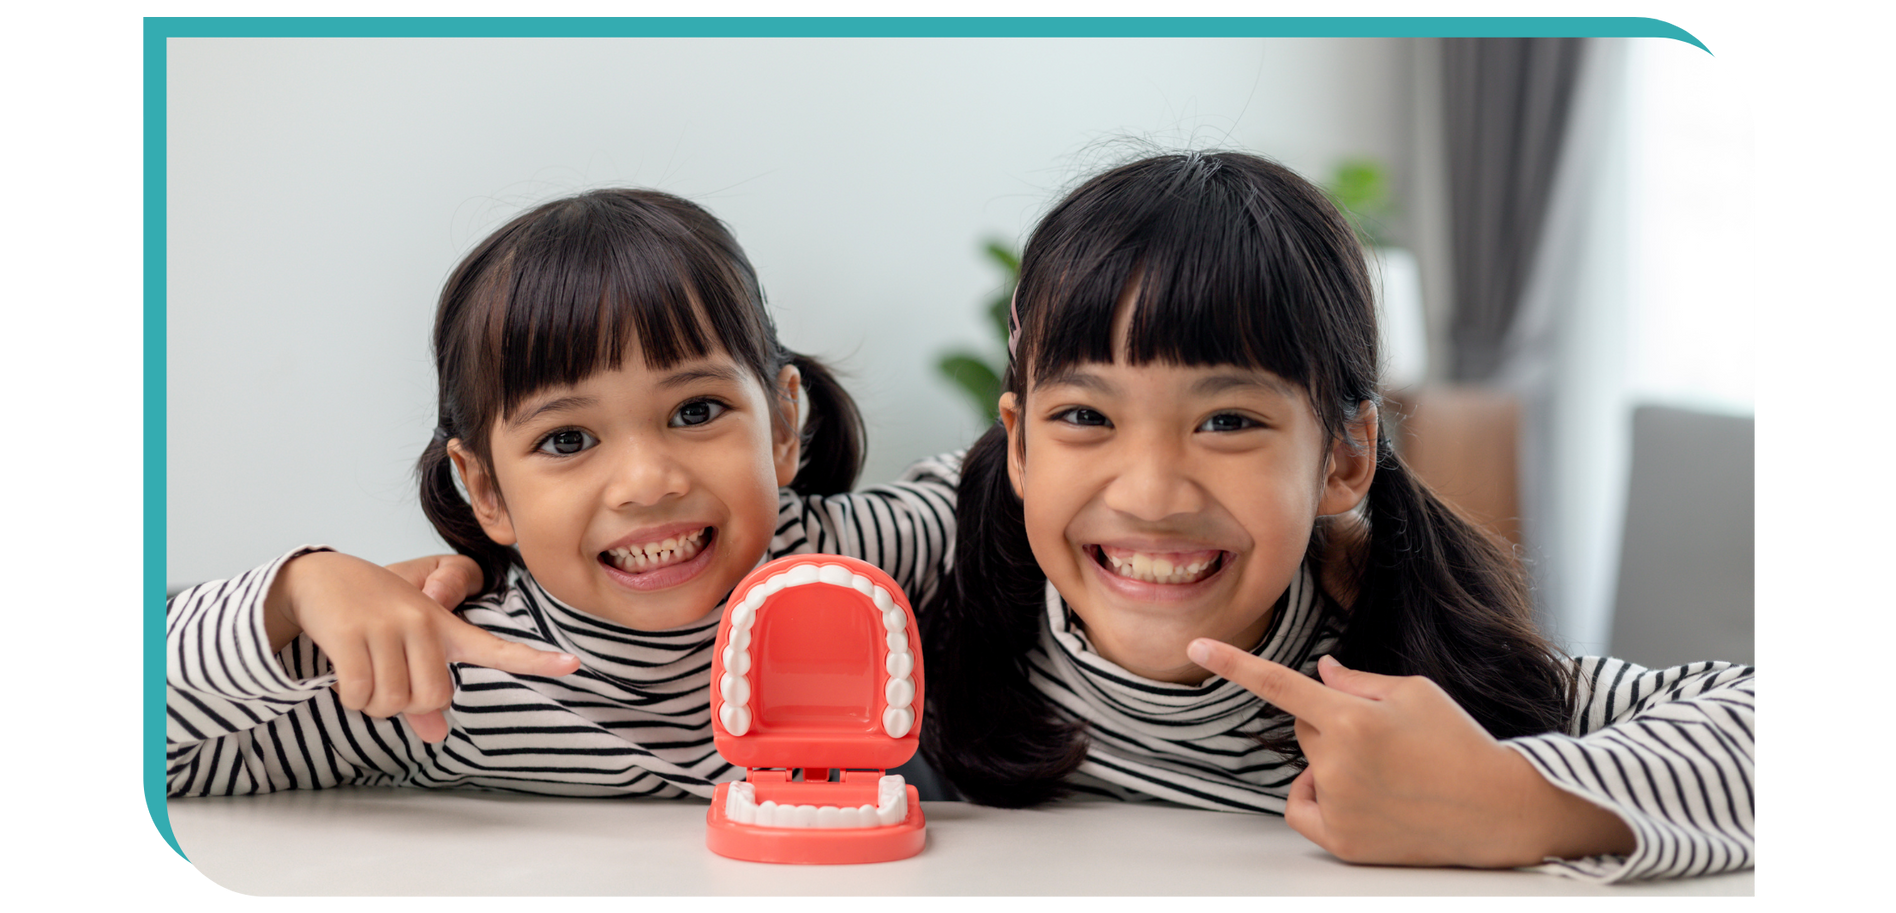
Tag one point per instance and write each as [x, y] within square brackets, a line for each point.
[279, 604]
[1561, 825]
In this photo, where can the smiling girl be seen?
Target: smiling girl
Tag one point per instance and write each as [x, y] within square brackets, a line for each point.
[1191, 568]
[624, 424]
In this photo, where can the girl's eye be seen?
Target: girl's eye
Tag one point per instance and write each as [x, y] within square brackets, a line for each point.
[1082, 416]
[697, 412]
[1228, 421]
[566, 442]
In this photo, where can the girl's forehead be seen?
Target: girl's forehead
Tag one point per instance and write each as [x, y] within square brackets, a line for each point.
[1200, 378]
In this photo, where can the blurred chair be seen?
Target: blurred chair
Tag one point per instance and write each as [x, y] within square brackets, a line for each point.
[1687, 556]
[1463, 441]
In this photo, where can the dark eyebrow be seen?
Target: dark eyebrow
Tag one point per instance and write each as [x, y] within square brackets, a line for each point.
[1074, 377]
[1218, 383]
[553, 405]
[695, 374]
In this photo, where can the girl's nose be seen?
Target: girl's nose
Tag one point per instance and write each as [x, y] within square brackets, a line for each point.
[645, 475]
[1152, 481]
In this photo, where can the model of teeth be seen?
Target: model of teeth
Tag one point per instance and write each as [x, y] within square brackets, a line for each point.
[654, 555]
[1159, 568]
[734, 688]
[891, 808]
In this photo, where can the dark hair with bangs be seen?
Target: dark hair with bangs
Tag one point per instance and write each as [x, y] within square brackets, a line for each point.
[1236, 260]
[559, 293]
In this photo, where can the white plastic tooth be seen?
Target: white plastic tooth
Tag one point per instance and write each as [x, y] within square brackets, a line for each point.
[800, 575]
[884, 601]
[743, 616]
[848, 816]
[735, 717]
[735, 661]
[767, 814]
[896, 721]
[805, 816]
[899, 691]
[894, 620]
[740, 803]
[834, 575]
[862, 585]
[754, 599]
[829, 816]
[866, 814]
[899, 665]
[735, 688]
[891, 800]
[741, 638]
[898, 641]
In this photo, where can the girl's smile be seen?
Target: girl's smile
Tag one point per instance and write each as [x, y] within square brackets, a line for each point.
[640, 494]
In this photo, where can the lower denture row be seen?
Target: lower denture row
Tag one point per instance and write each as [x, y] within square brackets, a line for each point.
[891, 808]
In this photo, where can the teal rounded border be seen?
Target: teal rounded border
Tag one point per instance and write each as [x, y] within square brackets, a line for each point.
[159, 29]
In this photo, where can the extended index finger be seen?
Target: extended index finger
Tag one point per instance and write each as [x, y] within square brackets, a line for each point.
[1298, 694]
[466, 643]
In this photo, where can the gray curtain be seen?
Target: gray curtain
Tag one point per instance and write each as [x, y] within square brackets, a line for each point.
[1506, 108]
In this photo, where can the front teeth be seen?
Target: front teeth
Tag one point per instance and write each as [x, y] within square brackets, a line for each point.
[654, 555]
[898, 714]
[891, 808]
[1156, 569]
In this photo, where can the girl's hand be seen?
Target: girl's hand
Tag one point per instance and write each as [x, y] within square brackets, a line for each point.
[1399, 774]
[390, 645]
[449, 580]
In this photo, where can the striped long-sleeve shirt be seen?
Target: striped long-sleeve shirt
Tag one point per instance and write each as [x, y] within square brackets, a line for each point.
[634, 720]
[1668, 750]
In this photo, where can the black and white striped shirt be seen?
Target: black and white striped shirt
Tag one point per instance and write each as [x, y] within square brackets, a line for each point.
[1669, 750]
[633, 721]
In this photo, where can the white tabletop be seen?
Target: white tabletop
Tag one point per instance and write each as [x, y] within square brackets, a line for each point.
[418, 842]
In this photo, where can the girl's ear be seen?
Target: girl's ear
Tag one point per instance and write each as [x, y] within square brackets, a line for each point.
[1010, 419]
[786, 440]
[483, 494]
[1352, 465]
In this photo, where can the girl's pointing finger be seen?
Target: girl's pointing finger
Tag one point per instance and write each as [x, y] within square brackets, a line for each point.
[469, 644]
[1298, 695]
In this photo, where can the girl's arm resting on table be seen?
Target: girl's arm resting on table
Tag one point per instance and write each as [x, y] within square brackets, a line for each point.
[1659, 785]
[236, 667]
[1398, 774]
[1672, 753]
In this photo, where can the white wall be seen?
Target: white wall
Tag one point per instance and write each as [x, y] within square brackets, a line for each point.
[320, 190]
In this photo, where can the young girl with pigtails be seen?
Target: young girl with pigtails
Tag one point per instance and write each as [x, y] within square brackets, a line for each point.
[1191, 568]
[618, 445]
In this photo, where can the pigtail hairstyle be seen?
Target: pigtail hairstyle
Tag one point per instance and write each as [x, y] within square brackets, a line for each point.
[832, 433]
[1440, 599]
[1236, 261]
[561, 292]
[987, 729]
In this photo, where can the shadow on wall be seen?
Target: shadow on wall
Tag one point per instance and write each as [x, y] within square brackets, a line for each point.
[1687, 563]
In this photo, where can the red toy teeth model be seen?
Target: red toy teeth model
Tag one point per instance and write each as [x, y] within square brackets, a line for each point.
[817, 667]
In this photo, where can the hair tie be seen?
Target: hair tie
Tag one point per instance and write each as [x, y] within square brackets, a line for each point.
[1013, 321]
[441, 434]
